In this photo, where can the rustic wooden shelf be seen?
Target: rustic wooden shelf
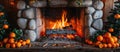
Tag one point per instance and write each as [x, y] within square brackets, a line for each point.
[59, 50]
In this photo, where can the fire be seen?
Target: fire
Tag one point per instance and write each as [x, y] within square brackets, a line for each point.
[77, 24]
[59, 24]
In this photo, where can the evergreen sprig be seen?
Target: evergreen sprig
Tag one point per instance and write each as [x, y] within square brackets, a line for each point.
[112, 22]
[5, 32]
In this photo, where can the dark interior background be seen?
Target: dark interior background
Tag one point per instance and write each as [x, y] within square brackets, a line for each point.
[11, 11]
[54, 13]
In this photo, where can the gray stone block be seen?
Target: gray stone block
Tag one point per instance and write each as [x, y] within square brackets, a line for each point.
[98, 24]
[22, 23]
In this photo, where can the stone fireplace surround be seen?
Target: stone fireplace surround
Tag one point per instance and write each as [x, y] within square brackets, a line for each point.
[30, 19]
[41, 49]
[38, 49]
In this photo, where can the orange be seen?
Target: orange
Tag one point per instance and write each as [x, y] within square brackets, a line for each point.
[111, 40]
[18, 45]
[105, 45]
[13, 45]
[11, 40]
[107, 40]
[24, 43]
[7, 45]
[21, 41]
[104, 36]
[104, 40]
[117, 16]
[86, 40]
[12, 35]
[90, 42]
[97, 43]
[100, 45]
[1, 45]
[115, 38]
[5, 40]
[117, 44]
[1, 13]
[111, 30]
[15, 42]
[28, 41]
[109, 45]
[12, 3]
[107, 35]
[114, 45]
[100, 38]
[5, 26]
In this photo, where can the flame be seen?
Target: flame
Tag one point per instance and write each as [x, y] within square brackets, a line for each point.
[77, 24]
[59, 24]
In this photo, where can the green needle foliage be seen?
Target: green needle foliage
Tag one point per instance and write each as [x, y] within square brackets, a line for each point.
[112, 22]
[5, 32]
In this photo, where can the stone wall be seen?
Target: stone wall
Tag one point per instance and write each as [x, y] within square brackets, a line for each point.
[94, 16]
[30, 18]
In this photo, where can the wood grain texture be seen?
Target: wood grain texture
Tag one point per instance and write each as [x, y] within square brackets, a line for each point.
[108, 5]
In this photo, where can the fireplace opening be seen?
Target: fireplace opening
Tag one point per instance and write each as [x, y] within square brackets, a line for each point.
[65, 23]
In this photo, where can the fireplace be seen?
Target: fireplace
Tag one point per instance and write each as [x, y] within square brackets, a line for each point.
[57, 26]
[63, 23]
[60, 22]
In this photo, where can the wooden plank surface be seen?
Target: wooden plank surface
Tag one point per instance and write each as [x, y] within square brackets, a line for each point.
[85, 48]
[108, 5]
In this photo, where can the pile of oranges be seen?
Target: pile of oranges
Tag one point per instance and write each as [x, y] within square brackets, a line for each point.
[10, 42]
[1, 13]
[105, 41]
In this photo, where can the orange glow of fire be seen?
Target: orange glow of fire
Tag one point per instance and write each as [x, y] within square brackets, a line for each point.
[59, 24]
[77, 24]
[80, 28]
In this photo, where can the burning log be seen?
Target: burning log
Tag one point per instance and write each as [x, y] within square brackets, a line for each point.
[60, 31]
[55, 45]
